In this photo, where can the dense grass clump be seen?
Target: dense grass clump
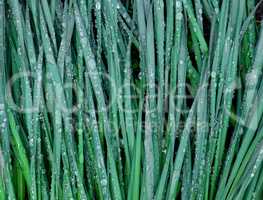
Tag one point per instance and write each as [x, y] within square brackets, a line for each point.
[138, 99]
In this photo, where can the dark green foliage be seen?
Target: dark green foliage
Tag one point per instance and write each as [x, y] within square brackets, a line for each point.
[140, 99]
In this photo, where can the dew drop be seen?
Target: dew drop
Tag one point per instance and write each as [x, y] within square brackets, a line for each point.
[98, 6]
